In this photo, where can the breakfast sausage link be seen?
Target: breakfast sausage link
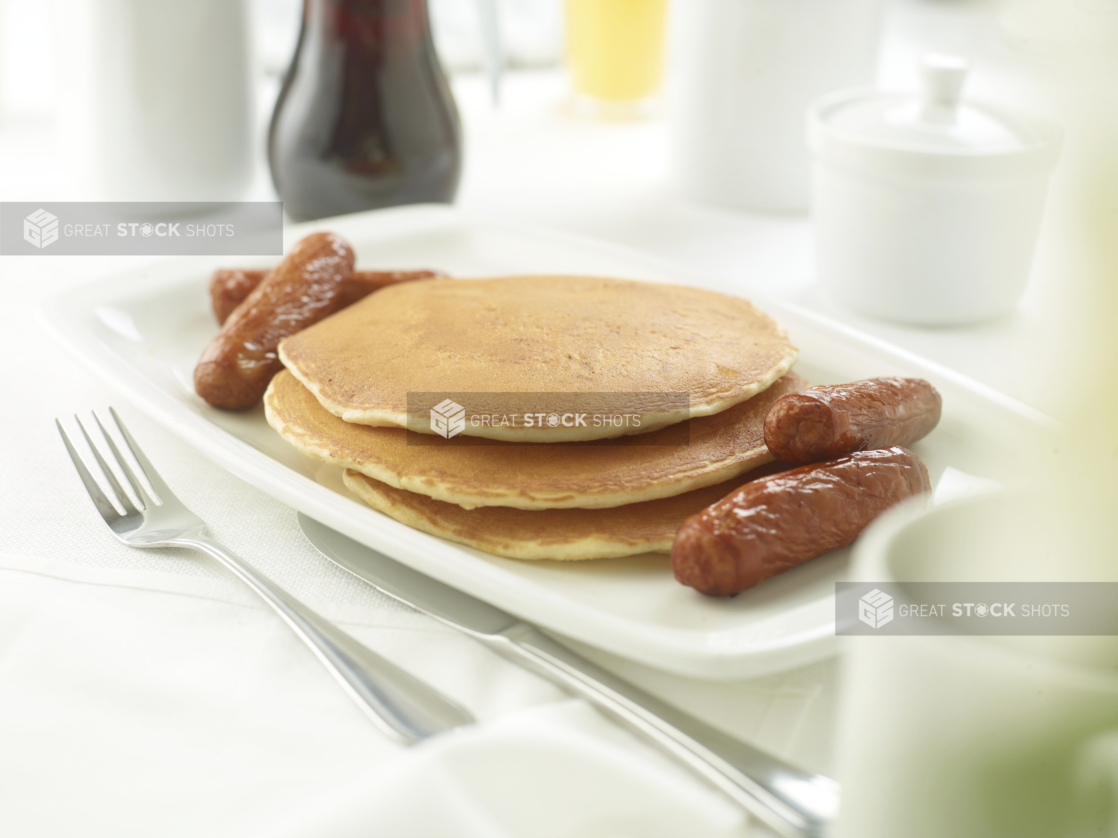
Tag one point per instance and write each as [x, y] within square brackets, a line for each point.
[824, 422]
[305, 287]
[229, 287]
[780, 521]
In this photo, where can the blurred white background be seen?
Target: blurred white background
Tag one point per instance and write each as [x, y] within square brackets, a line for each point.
[530, 157]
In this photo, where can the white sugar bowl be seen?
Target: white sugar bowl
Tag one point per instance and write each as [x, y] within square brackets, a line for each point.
[926, 208]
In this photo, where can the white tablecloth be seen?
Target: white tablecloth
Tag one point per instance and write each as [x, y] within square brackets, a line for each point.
[148, 693]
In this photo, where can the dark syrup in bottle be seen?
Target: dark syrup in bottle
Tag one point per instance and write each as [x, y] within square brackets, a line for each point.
[365, 118]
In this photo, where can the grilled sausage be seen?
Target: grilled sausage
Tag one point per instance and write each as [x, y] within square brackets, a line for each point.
[305, 287]
[228, 288]
[824, 422]
[780, 521]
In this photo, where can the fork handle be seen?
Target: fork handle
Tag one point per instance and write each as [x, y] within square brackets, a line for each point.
[405, 707]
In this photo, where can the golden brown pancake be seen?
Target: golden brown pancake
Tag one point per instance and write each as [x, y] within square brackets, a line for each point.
[476, 472]
[560, 534]
[683, 352]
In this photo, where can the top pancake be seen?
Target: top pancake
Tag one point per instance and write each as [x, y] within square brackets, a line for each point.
[593, 338]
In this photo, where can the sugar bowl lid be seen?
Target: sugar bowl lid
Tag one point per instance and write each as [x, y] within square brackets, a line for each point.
[936, 123]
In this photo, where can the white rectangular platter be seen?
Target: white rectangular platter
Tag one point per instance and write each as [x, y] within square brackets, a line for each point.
[142, 332]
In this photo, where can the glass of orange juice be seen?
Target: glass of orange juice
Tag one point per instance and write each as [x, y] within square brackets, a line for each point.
[615, 55]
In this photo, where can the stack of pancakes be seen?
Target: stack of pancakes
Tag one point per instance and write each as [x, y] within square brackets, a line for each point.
[544, 491]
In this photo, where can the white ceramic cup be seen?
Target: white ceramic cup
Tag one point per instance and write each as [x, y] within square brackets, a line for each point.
[740, 74]
[977, 736]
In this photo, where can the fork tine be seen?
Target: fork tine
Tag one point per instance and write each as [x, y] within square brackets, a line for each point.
[137, 486]
[100, 499]
[121, 495]
[166, 496]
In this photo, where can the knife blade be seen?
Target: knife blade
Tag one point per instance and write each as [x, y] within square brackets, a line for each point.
[790, 801]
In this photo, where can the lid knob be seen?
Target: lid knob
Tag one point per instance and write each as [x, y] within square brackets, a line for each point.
[941, 85]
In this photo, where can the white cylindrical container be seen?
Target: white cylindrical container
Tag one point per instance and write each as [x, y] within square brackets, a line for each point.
[156, 99]
[740, 75]
[926, 208]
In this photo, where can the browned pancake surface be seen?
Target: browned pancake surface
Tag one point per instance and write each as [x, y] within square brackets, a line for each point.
[606, 473]
[540, 334]
[560, 534]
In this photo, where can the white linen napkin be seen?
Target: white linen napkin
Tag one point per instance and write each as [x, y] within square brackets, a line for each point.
[550, 771]
[137, 702]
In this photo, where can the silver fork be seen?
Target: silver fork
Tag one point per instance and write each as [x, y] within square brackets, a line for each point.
[404, 707]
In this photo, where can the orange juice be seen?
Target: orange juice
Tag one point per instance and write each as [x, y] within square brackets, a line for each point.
[615, 48]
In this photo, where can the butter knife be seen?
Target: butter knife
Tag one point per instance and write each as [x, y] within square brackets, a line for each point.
[792, 802]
